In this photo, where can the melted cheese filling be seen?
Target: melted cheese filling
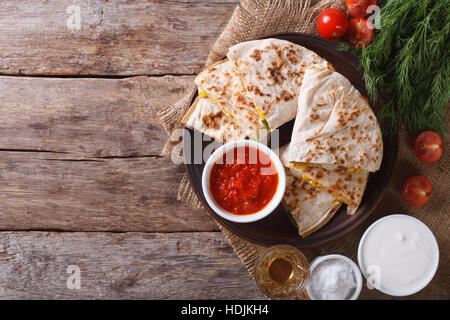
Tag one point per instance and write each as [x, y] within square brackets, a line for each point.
[203, 94]
[339, 197]
[355, 170]
[302, 166]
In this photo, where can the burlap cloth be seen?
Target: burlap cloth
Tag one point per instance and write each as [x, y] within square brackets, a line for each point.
[254, 19]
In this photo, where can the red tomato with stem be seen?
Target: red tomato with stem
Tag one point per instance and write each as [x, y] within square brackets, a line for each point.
[332, 24]
[358, 8]
[417, 190]
[428, 146]
[359, 32]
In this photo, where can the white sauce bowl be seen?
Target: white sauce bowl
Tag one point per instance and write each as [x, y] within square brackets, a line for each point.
[270, 207]
[401, 242]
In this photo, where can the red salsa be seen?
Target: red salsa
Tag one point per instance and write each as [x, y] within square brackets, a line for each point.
[244, 181]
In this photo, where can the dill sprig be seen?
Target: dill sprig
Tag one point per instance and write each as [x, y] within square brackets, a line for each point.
[409, 62]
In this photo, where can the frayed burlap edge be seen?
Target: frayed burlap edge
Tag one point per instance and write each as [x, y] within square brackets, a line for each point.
[249, 253]
[254, 19]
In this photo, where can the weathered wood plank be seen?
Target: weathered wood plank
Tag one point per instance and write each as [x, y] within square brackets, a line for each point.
[33, 265]
[130, 194]
[95, 165]
[86, 117]
[199, 265]
[114, 37]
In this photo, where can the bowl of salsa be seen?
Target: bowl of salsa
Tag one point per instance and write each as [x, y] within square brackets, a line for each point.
[243, 181]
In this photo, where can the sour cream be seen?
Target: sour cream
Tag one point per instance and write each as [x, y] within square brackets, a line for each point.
[398, 255]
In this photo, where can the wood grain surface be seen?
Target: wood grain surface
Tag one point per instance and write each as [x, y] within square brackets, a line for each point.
[188, 265]
[83, 155]
[114, 37]
[86, 118]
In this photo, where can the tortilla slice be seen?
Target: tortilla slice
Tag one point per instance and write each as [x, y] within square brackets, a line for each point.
[223, 87]
[343, 184]
[271, 71]
[209, 118]
[335, 124]
[310, 207]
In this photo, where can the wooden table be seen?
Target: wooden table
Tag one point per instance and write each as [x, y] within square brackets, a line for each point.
[83, 184]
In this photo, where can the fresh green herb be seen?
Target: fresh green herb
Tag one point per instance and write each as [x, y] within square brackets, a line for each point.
[409, 62]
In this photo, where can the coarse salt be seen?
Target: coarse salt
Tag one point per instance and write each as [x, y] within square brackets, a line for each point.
[332, 280]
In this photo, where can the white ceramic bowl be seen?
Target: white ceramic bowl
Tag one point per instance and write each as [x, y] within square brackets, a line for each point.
[356, 272]
[269, 207]
[399, 293]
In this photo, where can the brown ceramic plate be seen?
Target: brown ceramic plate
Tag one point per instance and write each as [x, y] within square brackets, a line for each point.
[278, 228]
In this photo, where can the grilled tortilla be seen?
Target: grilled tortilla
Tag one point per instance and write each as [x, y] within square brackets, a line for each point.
[335, 124]
[271, 71]
[223, 87]
[343, 184]
[208, 118]
[310, 207]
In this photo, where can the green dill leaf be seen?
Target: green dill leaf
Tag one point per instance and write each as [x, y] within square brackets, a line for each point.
[409, 62]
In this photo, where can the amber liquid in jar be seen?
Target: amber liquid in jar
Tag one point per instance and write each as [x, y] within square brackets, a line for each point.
[281, 272]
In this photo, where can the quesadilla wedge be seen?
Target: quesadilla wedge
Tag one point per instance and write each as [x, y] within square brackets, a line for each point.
[335, 124]
[223, 87]
[310, 207]
[208, 118]
[343, 184]
[271, 71]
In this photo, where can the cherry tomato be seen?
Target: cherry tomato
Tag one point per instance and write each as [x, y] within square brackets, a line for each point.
[428, 146]
[358, 8]
[359, 32]
[332, 24]
[417, 190]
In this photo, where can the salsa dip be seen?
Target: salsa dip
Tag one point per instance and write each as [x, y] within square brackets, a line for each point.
[398, 255]
[243, 181]
[239, 185]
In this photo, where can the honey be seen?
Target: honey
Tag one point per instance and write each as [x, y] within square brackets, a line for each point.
[281, 272]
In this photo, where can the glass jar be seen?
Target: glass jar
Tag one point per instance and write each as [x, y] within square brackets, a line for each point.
[281, 272]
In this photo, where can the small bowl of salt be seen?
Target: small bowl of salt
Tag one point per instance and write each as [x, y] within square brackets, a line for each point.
[334, 277]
